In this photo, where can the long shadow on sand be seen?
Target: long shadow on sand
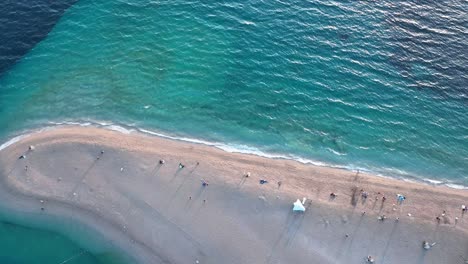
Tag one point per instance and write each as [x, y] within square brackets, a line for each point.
[181, 185]
[83, 176]
[287, 235]
[350, 242]
[157, 216]
[156, 170]
[354, 197]
[241, 182]
[422, 257]
[387, 246]
[16, 162]
[179, 170]
[201, 190]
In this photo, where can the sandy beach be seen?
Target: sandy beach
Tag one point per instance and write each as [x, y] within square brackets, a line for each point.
[161, 213]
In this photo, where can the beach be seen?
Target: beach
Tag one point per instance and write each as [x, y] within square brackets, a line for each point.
[115, 184]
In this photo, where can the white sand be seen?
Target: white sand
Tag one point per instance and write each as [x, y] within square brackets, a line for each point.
[145, 209]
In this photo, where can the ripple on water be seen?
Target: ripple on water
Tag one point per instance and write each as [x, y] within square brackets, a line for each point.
[381, 82]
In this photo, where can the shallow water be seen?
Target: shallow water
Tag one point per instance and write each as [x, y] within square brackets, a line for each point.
[24, 240]
[373, 85]
[376, 85]
[21, 245]
[29, 236]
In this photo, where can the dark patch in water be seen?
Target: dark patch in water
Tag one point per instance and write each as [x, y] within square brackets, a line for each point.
[23, 24]
[343, 36]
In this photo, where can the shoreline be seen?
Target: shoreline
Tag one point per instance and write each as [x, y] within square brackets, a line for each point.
[147, 208]
[86, 228]
[128, 129]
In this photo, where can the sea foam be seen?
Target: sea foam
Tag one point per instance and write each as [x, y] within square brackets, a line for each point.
[237, 148]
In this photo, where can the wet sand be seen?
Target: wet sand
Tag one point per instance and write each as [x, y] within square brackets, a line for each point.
[162, 213]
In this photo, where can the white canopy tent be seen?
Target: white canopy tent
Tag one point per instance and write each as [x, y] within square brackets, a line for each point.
[299, 206]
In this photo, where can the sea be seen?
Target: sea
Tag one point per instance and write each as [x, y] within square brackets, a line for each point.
[377, 86]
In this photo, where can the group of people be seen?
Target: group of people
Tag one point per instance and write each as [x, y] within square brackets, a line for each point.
[400, 199]
[181, 166]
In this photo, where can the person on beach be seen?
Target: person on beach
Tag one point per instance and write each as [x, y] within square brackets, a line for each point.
[333, 195]
[400, 198]
[364, 195]
[204, 183]
[161, 162]
[464, 209]
[181, 166]
[100, 155]
[370, 259]
[428, 246]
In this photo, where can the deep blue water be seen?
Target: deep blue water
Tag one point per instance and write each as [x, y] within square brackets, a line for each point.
[23, 23]
[375, 85]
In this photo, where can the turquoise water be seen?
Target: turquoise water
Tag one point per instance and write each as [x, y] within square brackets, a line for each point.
[30, 238]
[375, 85]
[24, 245]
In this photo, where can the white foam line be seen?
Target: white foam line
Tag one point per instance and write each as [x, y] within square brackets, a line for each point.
[26, 134]
[12, 141]
[243, 149]
[456, 186]
[120, 129]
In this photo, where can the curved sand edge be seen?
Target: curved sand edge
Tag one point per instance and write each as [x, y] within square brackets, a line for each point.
[145, 208]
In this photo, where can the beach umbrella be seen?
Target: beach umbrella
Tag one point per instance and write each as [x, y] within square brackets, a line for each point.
[298, 206]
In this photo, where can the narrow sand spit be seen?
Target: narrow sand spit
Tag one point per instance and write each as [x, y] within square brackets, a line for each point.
[161, 213]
